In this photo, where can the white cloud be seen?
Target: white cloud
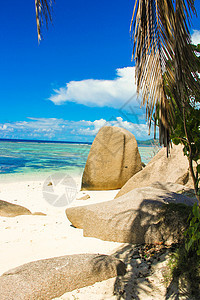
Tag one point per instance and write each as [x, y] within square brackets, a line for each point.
[3, 127]
[195, 37]
[59, 129]
[99, 93]
[139, 130]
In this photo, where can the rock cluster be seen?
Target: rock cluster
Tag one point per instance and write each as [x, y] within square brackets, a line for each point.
[146, 212]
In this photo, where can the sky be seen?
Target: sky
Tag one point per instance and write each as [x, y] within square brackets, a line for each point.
[78, 79]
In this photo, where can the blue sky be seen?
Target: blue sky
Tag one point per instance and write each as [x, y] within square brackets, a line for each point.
[78, 79]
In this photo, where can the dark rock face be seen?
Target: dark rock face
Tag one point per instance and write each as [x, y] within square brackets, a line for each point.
[137, 217]
[50, 278]
[113, 159]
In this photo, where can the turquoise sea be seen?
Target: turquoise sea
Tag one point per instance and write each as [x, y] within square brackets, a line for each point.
[43, 157]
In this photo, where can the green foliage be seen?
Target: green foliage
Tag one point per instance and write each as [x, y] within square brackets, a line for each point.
[192, 234]
[193, 129]
[191, 141]
[186, 267]
[186, 129]
[184, 262]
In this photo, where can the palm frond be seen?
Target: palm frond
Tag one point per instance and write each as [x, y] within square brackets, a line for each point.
[160, 35]
[43, 10]
[186, 75]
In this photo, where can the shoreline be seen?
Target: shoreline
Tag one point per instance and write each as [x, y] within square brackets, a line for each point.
[38, 176]
[28, 160]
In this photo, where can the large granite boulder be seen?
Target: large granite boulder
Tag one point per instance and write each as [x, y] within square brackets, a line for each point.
[113, 159]
[12, 210]
[174, 169]
[50, 278]
[140, 216]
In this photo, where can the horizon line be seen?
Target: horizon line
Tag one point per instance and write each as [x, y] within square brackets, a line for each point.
[57, 142]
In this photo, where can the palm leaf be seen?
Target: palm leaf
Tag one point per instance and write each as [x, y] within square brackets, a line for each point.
[43, 10]
[160, 36]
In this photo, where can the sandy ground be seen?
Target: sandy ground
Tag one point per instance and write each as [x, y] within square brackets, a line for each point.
[27, 238]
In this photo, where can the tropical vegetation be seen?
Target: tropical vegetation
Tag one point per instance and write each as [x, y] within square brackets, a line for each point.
[167, 76]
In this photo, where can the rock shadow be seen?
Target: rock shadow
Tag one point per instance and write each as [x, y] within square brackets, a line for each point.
[156, 228]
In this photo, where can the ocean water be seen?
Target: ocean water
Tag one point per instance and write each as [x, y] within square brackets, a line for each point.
[33, 157]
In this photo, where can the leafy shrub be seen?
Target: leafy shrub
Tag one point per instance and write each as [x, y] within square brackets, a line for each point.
[192, 234]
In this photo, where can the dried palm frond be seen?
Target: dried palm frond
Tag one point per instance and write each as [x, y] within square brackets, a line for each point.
[161, 49]
[186, 76]
[43, 10]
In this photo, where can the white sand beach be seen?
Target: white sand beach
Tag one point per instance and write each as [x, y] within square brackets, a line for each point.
[29, 238]
[32, 237]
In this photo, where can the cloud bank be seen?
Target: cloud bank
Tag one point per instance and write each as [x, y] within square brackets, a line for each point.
[99, 93]
[64, 130]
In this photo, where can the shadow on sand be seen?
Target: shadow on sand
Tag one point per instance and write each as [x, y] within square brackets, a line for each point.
[148, 273]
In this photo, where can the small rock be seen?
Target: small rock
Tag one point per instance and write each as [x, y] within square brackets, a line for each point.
[138, 261]
[128, 268]
[144, 270]
[50, 183]
[39, 214]
[149, 260]
[84, 197]
[136, 256]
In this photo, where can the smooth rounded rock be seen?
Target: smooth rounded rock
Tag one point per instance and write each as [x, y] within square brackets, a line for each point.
[174, 168]
[12, 210]
[113, 159]
[137, 217]
[50, 278]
